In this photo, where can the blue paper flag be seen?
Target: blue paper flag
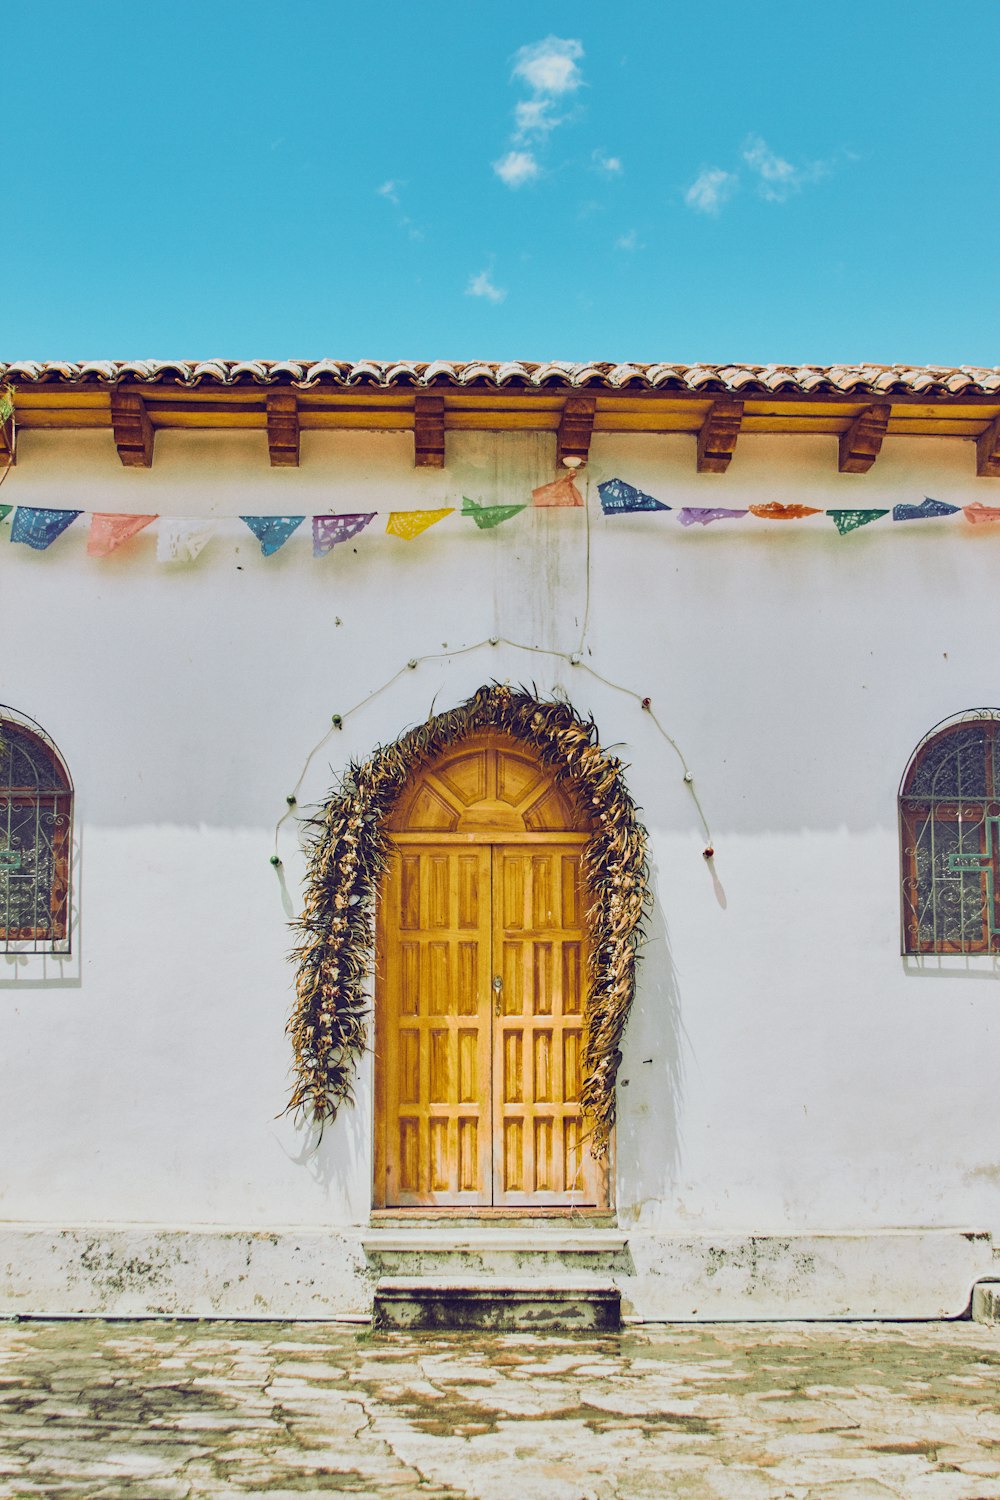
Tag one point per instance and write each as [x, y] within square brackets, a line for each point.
[618, 496]
[39, 528]
[923, 511]
[272, 531]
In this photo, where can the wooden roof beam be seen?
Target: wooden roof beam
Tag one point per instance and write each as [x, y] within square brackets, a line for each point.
[988, 451]
[576, 424]
[717, 435]
[428, 432]
[133, 430]
[283, 430]
[861, 443]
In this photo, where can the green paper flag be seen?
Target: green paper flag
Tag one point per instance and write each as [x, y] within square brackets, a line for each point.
[5, 511]
[850, 520]
[486, 516]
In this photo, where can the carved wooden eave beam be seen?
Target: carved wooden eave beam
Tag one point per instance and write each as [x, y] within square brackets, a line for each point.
[428, 432]
[576, 425]
[861, 443]
[133, 430]
[717, 435]
[283, 430]
[988, 451]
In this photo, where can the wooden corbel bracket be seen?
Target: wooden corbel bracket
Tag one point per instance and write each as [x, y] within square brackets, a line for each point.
[133, 430]
[988, 451]
[717, 435]
[576, 425]
[283, 430]
[428, 432]
[861, 443]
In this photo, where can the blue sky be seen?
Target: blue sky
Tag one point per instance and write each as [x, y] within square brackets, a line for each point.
[648, 180]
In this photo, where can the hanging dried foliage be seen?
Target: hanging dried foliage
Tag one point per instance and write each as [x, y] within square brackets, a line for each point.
[348, 852]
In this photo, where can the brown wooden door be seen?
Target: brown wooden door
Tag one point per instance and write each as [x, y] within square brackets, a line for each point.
[480, 1017]
[538, 956]
[434, 1046]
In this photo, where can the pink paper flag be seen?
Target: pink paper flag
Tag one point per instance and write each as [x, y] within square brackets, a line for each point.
[109, 531]
[977, 512]
[560, 491]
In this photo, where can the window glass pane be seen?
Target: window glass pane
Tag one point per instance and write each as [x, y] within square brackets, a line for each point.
[953, 766]
[951, 904]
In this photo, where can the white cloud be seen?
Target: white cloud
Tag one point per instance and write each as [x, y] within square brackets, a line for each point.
[778, 179]
[612, 165]
[534, 117]
[482, 286]
[629, 241]
[517, 168]
[710, 190]
[388, 190]
[550, 67]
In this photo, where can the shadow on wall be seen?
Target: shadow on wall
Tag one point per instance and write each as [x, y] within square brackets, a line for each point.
[651, 1078]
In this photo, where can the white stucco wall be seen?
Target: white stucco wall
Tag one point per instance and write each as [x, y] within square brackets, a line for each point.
[785, 1069]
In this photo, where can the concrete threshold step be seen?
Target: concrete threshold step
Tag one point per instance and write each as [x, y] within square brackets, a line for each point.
[456, 1239]
[495, 1304]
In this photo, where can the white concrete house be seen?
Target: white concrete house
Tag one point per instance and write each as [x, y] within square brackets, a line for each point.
[802, 1121]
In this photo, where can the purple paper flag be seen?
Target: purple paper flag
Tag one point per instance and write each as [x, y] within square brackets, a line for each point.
[329, 530]
[694, 513]
[39, 528]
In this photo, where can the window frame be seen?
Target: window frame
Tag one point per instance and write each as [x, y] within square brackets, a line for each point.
[918, 812]
[55, 803]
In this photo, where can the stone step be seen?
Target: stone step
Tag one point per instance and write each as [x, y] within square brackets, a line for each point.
[509, 1252]
[488, 1303]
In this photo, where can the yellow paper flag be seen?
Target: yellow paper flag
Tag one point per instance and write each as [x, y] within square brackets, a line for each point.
[410, 523]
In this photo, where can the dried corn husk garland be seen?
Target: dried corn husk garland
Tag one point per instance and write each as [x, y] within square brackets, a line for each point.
[348, 852]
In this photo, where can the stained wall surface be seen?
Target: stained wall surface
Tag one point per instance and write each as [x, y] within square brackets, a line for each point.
[785, 1069]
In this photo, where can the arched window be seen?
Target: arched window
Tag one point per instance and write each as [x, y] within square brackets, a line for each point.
[36, 815]
[949, 818]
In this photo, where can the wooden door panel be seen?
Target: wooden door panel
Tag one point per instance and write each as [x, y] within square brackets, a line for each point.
[538, 944]
[433, 1059]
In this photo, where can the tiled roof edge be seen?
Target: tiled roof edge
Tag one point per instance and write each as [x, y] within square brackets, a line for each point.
[739, 380]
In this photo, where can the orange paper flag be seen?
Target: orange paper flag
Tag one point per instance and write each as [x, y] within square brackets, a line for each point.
[560, 491]
[109, 531]
[977, 512]
[776, 512]
[410, 523]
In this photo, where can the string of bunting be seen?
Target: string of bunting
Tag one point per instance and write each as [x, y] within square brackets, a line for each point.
[182, 539]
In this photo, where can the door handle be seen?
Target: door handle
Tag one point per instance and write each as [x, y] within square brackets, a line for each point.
[497, 987]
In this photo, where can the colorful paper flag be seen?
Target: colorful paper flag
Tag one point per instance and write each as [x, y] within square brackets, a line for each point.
[691, 515]
[560, 491]
[487, 516]
[977, 512]
[923, 511]
[183, 540]
[272, 531]
[617, 496]
[39, 528]
[108, 531]
[410, 523]
[5, 511]
[850, 520]
[329, 530]
[775, 511]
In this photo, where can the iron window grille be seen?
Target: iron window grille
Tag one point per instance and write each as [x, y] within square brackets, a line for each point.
[949, 820]
[36, 828]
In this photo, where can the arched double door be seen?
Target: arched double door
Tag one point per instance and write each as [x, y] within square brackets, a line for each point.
[480, 989]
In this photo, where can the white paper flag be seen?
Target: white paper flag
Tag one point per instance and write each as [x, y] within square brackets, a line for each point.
[181, 540]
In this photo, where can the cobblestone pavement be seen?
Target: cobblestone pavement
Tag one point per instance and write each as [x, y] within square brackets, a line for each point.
[168, 1411]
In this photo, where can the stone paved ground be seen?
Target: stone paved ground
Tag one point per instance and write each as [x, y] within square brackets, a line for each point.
[167, 1411]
